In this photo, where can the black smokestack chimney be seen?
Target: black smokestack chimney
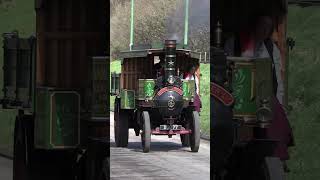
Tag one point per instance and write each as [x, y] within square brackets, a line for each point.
[170, 60]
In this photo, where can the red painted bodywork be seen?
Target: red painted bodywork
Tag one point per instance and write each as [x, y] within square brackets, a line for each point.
[165, 89]
[220, 93]
[170, 132]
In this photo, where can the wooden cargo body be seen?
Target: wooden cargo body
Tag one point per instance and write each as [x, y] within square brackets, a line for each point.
[71, 36]
[139, 64]
[69, 33]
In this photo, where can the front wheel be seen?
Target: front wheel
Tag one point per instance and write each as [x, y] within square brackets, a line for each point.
[185, 138]
[195, 134]
[20, 167]
[121, 129]
[146, 132]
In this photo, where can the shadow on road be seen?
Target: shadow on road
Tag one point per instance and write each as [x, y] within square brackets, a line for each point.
[155, 146]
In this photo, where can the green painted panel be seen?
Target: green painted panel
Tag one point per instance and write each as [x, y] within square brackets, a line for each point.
[146, 89]
[100, 86]
[127, 99]
[65, 119]
[7, 121]
[251, 83]
[243, 85]
[115, 83]
[188, 87]
[57, 119]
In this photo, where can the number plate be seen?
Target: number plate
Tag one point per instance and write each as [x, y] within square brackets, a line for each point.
[170, 127]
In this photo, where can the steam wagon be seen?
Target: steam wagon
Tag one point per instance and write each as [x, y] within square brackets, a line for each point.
[156, 105]
[243, 94]
[55, 93]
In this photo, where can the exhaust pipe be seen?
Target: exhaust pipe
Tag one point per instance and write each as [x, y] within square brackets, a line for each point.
[170, 61]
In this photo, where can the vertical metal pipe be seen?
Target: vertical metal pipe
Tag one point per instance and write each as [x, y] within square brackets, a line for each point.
[131, 25]
[170, 59]
[186, 23]
[218, 35]
[205, 56]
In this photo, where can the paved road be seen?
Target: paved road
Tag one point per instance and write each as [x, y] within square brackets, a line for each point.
[166, 160]
[5, 168]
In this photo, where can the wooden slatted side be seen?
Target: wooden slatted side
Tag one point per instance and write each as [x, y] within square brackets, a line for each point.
[69, 32]
[133, 69]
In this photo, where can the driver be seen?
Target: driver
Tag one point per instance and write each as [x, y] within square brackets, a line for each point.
[191, 75]
[159, 67]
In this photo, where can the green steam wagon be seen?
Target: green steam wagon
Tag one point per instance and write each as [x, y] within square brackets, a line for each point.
[54, 103]
[153, 104]
[154, 98]
[246, 115]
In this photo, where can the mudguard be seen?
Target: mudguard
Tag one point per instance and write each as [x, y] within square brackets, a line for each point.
[221, 94]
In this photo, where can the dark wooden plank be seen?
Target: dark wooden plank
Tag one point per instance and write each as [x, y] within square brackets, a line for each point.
[40, 19]
[72, 35]
[68, 70]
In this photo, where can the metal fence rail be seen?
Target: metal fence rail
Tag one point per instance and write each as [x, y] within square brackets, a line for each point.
[205, 57]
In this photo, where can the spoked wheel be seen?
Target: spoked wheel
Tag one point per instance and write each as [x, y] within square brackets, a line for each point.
[20, 166]
[146, 131]
[272, 169]
[195, 135]
[121, 129]
[185, 138]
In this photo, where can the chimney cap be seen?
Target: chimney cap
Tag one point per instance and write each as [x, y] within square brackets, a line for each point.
[170, 42]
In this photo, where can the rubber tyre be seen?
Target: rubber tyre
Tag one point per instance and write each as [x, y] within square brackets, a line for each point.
[146, 132]
[20, 167]
[121, 129]
[96, 160]
[185, 138]
[273, 169]
[195, 135]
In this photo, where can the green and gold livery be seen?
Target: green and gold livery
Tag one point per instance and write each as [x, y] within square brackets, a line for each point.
[188, 88]
[243, 85]
[146, 89]
[251, 82]
[57, 123]
[127, 99]
[115, 83]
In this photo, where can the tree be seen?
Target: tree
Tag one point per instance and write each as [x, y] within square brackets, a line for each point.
[154, 21]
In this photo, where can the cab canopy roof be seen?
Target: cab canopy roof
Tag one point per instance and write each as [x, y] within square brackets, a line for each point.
[157, 52]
